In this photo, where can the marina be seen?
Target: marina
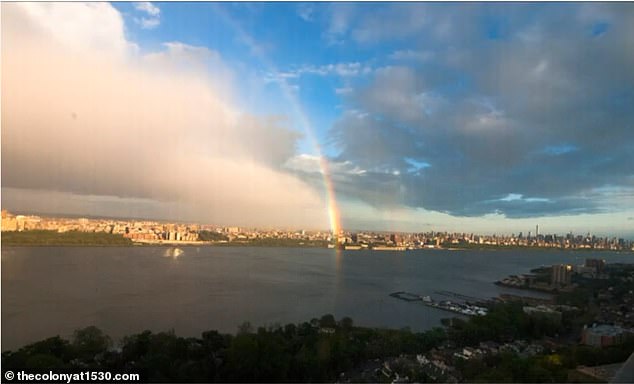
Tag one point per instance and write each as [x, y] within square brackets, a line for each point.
[465, 308]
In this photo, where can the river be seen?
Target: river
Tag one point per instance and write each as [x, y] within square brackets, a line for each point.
[49, 291]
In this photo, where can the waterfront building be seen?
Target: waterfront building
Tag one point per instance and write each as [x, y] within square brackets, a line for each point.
[9, 222]
[561, 275]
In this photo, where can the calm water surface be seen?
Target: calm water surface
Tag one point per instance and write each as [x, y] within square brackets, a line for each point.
[51, 291]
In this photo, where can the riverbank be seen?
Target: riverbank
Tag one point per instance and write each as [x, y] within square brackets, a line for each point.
[37, 238]
[41, 238]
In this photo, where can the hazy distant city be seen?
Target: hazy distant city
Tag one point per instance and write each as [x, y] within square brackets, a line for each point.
[158, 232]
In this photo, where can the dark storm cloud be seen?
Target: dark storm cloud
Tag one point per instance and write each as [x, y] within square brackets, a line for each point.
[530, 100]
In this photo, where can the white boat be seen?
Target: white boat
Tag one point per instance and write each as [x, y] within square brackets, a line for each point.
[173, 252]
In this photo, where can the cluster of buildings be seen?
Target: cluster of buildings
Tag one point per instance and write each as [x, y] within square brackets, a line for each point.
[142, 231]
[151, 232]
[446, 240]
[147, 231]
[439, 364]
[557, 277]
[613, 299]
[522, 348]
[154, 231]
[245, 235]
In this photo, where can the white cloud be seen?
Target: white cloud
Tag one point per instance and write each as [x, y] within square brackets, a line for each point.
[343, 90]
[520, 197]
[280, 77]
[340, 16]
[349, 69]
[311, 164]
[95, 26]
[412, 55]
[153, 12]
[159, 127]
[148, 8]
[148, 23]
[305, 11]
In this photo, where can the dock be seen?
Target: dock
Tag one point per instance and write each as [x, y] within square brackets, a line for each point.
[459, 296]
[406, 296]
[463, 309]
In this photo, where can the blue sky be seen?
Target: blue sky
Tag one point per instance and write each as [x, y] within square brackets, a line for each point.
[242, 34]
[449, 116]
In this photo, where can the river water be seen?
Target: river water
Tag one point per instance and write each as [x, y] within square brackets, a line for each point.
[49, 291]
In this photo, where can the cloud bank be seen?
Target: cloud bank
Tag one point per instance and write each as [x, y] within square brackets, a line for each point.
[528, 101]
[84, 114]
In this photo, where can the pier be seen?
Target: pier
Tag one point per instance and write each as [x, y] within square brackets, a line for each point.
[463, 309]
[406, 296]
[459, 296]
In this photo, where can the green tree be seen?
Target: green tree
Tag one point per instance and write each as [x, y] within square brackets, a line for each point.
[346, 323]
[328, 321]
[90, 342]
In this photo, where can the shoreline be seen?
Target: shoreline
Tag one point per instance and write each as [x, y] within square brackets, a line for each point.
[206, 244]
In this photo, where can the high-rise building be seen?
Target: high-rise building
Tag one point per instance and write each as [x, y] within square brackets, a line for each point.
[561, 274]
[597, 264]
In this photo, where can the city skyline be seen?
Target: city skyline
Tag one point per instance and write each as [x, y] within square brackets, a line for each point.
[389, 117]
[86, 223]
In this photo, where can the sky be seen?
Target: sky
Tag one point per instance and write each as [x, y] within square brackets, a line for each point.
[468, 117]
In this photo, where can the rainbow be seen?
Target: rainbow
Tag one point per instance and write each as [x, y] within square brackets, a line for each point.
[333, 208]
[331, 200]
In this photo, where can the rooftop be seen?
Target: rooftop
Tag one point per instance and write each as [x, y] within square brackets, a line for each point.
[606, 330]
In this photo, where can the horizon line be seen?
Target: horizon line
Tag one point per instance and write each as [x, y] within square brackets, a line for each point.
[165, 220]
